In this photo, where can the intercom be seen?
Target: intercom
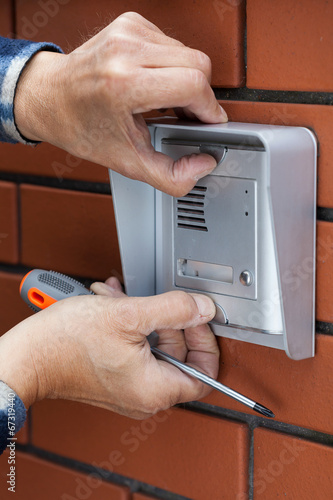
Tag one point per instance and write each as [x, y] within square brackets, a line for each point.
[244, 235]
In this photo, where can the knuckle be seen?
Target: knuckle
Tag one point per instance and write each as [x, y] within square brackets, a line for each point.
[202, 390]
[119, 40]
[125, 316]
[175, 397]
[178, 191]
[204, 62]
[184, 189]
[149, 402]
[198, 79]
[150, 408]
[181, 179]
[185, 301]
[116, 79]
[121, 22]
[130, 16]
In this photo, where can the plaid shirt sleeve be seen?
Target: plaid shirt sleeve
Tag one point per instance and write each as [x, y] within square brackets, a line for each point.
[14, 55]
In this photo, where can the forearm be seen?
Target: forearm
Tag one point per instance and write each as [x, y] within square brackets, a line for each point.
[16, 364]
[39, 103]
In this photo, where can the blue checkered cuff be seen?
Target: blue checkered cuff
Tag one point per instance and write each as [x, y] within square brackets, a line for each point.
[14, 55]
[12, 415]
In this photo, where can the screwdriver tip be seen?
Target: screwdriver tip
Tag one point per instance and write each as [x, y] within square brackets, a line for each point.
[263, 410]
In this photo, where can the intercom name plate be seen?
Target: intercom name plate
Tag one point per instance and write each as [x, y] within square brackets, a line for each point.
[240, 236]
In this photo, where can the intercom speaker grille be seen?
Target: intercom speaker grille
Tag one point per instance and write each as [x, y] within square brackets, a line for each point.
[191, 210]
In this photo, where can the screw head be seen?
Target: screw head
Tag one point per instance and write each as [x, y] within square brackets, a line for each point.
[246, 278]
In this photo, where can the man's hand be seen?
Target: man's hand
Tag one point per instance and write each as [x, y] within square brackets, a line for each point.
[94, 349]
[90, 101]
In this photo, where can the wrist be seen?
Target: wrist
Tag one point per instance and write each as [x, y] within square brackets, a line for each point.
[38, 103]
[17, 368]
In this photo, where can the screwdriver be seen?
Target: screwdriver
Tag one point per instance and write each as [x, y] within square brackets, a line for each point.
[40, 289]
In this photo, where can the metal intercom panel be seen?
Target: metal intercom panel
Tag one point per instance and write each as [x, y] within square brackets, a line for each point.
[244, 235]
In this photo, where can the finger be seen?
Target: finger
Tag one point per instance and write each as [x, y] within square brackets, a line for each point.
[186, 88]
[203, 351]
[173, 177]
[203, 354]
[172, 310]
[173, 342]
[184, 113]
[114, 282]
[132, 23]
[182, 387]
[138, 20]
[181, 57]
[106, 289]
[176, 178]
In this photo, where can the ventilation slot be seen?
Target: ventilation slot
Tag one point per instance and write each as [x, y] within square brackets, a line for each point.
[190, 210]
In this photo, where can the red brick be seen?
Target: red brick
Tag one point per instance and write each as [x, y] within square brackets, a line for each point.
[23, 434]
[3, 465]
[12, 309]
[290, 467]
[5, 18]
[8, 223]
[289, 45]
[49, 161]
[215, 27]
[38, 479]
[141, 496]
[317, 117]
[324, 286]
[68, 231]
[187, 453]
[298, 392]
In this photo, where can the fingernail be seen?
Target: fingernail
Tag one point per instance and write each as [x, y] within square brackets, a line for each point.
[110, 287]
[99, 285]
[224, 114]
[205, 305]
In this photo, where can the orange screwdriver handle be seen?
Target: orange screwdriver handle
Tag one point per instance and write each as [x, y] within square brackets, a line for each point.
[40, 289]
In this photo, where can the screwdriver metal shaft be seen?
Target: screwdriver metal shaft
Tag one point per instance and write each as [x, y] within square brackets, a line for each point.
[212, 382]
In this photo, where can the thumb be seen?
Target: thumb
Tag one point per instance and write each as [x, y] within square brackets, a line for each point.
[177, 178]
[172, 310]
[111, 287]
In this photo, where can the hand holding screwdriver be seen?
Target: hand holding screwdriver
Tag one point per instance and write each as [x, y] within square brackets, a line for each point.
[94, 349]
[42, 288]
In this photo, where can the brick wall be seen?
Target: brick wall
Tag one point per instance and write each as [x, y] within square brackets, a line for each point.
[272, 63]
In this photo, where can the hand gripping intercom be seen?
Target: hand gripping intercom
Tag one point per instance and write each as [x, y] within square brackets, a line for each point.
[244, 235]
